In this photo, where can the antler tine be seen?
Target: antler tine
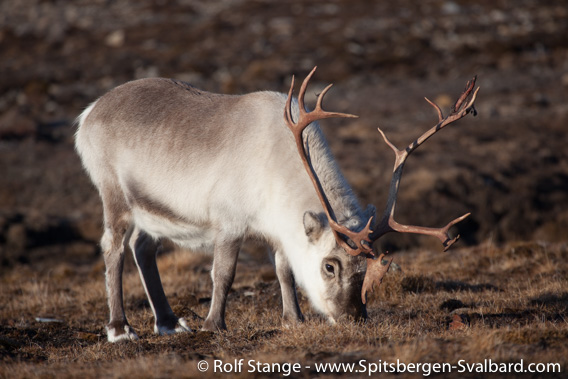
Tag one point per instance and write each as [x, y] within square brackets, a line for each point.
[374, 275]
[303, 89]
[440, 114]
[288, 106]
[465, 94]
[321, 96]
[459, 102]
[318, 113]
[388, 224]
[361, 238]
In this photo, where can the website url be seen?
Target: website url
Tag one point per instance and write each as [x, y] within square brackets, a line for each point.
[368, 368]
[426, 369]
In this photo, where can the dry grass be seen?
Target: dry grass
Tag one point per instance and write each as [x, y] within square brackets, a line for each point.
[512, 302]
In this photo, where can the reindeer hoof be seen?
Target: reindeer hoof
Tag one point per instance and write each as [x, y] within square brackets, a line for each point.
[213, 326]
[117, 333]
[179, 326]
[290, 321]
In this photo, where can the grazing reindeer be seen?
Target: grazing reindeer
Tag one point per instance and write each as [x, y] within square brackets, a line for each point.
[208, 171]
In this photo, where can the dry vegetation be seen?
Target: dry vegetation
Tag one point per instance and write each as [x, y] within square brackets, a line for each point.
[503, 300]
[511, 300]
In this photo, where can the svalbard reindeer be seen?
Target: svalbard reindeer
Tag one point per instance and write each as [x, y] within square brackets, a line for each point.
[207, 171]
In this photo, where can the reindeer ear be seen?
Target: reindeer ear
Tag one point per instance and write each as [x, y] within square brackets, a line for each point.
[313, 225]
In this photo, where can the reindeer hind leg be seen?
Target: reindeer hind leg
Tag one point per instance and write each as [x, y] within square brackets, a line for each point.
[145, 249]
[117, 229]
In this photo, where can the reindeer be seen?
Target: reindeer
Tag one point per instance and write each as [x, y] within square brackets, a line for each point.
[208, 171]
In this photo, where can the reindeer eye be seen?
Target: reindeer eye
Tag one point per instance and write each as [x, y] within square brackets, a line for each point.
[329, 268]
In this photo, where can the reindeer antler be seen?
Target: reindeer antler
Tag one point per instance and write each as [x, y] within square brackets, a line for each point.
[388, 224]
[374, 275]
[375, 270]
[364, 239]
[361, 238]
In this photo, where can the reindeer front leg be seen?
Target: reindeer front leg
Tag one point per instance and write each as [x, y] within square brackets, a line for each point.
[291, 313]
[223, 272]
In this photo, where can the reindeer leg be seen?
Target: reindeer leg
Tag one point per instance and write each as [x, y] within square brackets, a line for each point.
[145, 249]
[117, 230]
[223, 272]
[291, 313]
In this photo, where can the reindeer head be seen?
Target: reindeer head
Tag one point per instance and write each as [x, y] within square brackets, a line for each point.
[335, 277]
[344, 281]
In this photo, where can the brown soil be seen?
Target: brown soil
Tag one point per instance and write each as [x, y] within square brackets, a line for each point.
[508, 166]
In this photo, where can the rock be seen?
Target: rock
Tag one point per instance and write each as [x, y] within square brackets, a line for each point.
[115, 39]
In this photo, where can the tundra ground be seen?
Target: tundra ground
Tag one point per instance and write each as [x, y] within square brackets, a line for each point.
[500, 294]
[508, 304]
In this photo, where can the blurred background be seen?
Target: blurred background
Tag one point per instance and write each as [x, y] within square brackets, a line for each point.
[508, 166]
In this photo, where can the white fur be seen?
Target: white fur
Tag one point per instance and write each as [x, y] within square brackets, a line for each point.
[128, 335]
[248, 181]
[181, 327]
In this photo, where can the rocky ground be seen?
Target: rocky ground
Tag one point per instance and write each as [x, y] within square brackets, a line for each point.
[508, 166]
